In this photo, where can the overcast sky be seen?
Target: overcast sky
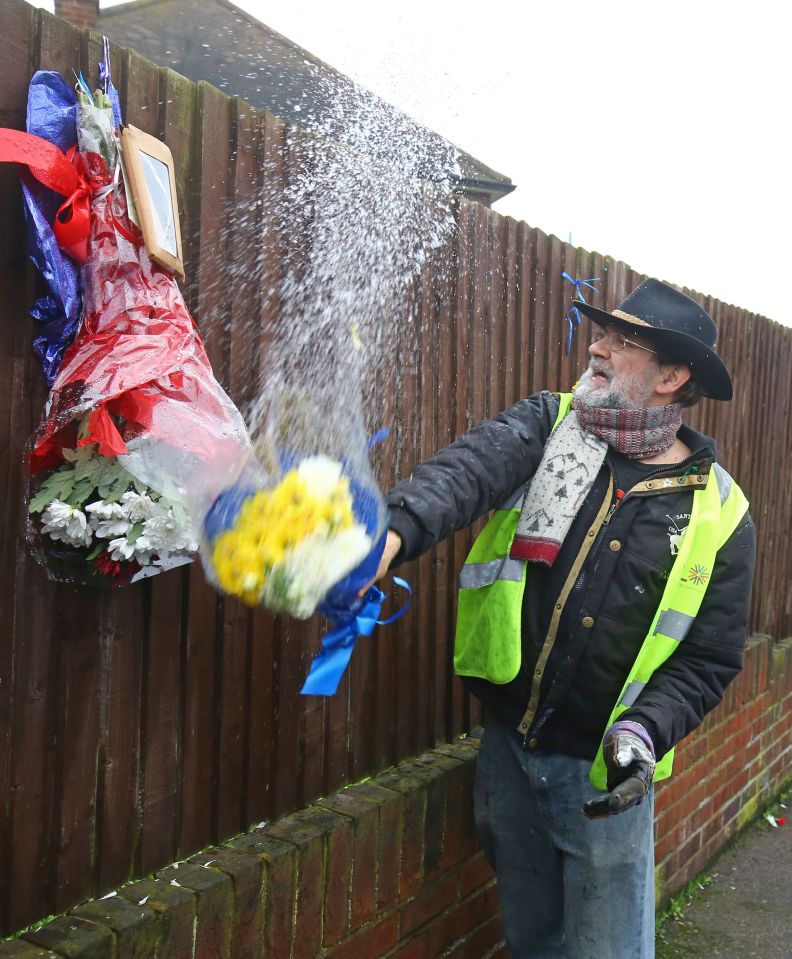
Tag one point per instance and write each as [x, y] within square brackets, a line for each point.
[654, 132]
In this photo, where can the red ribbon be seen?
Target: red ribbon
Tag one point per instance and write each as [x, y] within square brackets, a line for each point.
[65, 174]
[103, 431]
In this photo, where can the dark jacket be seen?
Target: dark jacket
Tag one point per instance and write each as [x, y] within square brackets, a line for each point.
[605, 617]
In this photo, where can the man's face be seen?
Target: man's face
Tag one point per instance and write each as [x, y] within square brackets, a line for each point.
[620, 379]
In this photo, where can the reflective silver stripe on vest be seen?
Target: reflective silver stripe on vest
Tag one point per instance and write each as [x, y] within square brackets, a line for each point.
[632, 693]
[515, 501]
[476, 575]
[724, 481]
[673, 624]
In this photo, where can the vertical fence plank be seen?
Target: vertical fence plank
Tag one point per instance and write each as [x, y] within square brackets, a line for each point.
[555, 305]
[423, 695]
[463, 419]
[165, 652]
[122, 632]
[121, 629]
[513, 345]
[406, 633]
[18, 23]
[445, 572]
[542, 334]
[229, 190]
[78, 725]
[83, 668]
[243, 290]
[38, 805]
[265, 226]
[525, 311]
[500, 358]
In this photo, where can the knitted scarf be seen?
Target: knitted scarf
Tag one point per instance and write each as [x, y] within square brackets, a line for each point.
[572, 458]
[636, 434]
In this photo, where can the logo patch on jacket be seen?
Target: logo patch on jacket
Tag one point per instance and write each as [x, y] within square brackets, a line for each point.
[676, 530]
[698, 574]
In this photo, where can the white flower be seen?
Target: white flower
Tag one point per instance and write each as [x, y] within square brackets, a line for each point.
[108, 520]
[121, 550]
[314, 566]
[140, 506]
[320, 473]
[164, 534]
[66, 524]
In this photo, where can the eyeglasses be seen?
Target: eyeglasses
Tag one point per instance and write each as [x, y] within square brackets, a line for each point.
[616, 342]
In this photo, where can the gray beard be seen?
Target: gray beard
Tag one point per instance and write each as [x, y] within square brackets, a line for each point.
[632, 393]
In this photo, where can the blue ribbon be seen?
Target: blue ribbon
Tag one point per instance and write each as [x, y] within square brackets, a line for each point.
[331, 661]
[379, 436]
[574, 317]
[83, 84]
[106, 83]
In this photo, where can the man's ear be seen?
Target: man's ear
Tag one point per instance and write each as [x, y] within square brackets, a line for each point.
[673, 378]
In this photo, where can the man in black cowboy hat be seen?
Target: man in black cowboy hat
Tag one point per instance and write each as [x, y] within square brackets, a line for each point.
[602, 613]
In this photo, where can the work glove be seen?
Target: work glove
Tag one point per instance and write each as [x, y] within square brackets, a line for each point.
[630, 762]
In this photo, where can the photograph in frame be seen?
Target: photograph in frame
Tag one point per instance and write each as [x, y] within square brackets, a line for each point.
[149, 168]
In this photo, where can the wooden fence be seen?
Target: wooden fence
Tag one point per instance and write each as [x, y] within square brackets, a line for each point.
[139, 725]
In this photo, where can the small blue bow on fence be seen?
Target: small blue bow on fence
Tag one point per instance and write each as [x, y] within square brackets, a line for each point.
[573, 317]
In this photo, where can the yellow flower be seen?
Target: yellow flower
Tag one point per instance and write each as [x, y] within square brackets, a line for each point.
[273, 522]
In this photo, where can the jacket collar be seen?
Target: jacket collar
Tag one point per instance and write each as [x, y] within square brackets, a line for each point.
[703, 446]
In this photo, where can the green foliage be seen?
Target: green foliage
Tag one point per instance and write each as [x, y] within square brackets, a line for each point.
[58, 485]
[84, 472]
[134, 534]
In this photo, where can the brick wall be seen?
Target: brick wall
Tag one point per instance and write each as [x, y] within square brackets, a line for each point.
[729, 769]
[390, 867]
[387, 867]
[79, 13]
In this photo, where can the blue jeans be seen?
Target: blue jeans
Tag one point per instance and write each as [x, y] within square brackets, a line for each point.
[570, 888]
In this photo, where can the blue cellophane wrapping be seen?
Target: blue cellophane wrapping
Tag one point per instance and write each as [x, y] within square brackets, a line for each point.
[52, 115]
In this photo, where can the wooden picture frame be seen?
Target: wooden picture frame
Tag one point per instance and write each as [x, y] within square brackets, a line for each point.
[152, 182]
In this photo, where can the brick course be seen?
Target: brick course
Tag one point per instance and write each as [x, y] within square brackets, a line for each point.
[390, 867]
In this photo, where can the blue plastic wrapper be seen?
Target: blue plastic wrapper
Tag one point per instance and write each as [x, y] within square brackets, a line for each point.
[52, 115]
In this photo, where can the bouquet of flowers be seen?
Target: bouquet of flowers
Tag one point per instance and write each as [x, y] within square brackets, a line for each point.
[285, 546]
[303, 537]
[134, 413]
[92, 510]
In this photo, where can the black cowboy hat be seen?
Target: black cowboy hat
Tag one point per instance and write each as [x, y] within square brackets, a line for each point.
[677, 326]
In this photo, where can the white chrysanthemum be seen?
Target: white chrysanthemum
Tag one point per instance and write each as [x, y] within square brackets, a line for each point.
[164, 534]
[121, 550]
[66, 524]
[320, 473]
[108, 520]
[313, 567]
[140, 506]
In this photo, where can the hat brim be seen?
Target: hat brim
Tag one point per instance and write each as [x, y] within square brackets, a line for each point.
[708, 370]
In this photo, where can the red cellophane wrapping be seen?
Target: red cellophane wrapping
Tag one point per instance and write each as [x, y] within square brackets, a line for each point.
[137, 364]
[137, 368]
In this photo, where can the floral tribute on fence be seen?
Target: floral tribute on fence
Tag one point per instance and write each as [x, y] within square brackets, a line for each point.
[134, 412]
[141, 460]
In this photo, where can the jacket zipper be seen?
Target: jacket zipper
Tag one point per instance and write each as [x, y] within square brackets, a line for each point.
[600, 532]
